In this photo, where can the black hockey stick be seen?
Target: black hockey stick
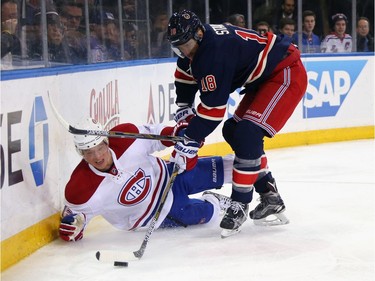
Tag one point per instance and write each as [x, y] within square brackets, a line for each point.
[112, 134]
[122, 258]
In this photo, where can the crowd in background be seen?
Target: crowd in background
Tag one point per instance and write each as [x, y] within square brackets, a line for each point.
[335, 40]
[54, 32]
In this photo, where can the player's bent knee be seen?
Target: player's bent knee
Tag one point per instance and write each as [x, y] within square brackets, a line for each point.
[228, 130]
[248, 140]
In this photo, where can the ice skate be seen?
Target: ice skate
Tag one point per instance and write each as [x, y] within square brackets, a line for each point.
[224, 201]
[233, 219]
[270, 210]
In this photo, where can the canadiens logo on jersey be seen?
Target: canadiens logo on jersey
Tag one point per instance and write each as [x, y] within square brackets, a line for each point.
[136, 189]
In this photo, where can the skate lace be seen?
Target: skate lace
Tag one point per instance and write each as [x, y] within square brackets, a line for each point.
[236, 206]
[262, 200]
[226, 201]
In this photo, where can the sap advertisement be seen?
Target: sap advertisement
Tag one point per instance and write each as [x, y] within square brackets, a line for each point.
[330, 82]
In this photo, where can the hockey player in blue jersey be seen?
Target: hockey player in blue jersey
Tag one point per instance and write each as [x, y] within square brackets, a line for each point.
[216, 59]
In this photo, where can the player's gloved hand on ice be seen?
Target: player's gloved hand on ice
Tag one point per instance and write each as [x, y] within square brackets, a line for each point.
[184, 113]
[185, 153]
[172, 131]
[72, 226]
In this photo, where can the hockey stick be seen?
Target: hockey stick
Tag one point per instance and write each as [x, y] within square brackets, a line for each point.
[111, 134]
[122, 258]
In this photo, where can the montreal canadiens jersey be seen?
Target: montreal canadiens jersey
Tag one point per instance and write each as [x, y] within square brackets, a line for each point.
[128, 196]
[334, 44]
[228, 58]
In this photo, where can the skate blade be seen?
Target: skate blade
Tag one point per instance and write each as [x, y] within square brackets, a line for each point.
[271, 220]
[225, 233]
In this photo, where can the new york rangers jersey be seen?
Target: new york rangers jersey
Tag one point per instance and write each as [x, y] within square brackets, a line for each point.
[334, 44]
[228, 58]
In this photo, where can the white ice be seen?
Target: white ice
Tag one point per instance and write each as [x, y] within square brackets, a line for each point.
[329, 194]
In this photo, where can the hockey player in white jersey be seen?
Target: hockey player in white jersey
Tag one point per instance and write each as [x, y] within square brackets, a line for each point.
[338, 41]
[120, 179]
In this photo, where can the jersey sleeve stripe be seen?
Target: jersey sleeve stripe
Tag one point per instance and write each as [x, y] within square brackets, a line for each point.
[185, 81]
[211, 113]
[183, 76]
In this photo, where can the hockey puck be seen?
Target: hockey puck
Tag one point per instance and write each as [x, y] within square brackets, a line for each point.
[97, 255]
[121, 263]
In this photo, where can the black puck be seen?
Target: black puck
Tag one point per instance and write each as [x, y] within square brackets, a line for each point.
[121, 263]
[97, 255]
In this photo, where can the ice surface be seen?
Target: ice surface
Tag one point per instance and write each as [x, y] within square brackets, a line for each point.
[329, 194]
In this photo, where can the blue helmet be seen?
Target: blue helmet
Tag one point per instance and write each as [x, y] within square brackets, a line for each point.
[182, 27]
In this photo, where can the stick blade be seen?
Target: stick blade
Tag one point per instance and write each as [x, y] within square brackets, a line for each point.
[109, 256]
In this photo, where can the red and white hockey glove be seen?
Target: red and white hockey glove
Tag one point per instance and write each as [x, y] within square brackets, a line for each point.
[72, 226]
[185, 153]
[173, 131]
[184, 113]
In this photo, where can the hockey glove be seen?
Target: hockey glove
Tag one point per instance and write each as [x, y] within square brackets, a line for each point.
[172, 131]
[184, 113]
[72, 226]
[185, 153]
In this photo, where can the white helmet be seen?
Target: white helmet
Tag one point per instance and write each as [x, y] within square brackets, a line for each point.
[83, 142]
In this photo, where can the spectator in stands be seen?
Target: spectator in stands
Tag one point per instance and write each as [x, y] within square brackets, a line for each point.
[287, 27]
[310, 41]
[338, 41]
[98, 38]
[113, 44]
[10, 43]
[287, 10]
[58, 48]
[128, 8]
[160, 46]
[237, 20]
[32, 7]
[131, 40]
[71, 15]
[365, 42]
[262, 27]
[31, 28]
